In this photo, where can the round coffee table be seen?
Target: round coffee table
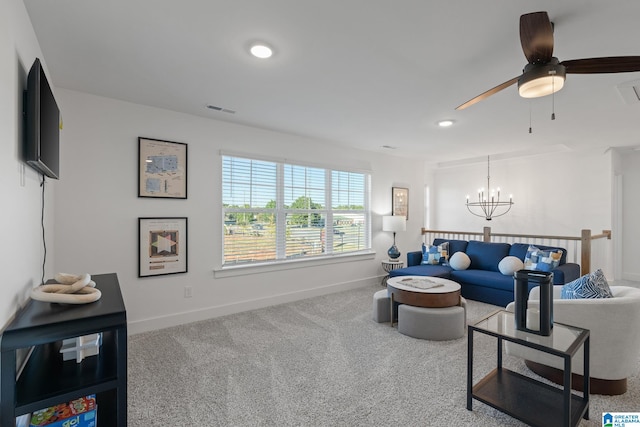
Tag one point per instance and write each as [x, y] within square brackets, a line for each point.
[423, 291]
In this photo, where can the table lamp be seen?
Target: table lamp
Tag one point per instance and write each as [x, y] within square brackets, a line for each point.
[394, 223]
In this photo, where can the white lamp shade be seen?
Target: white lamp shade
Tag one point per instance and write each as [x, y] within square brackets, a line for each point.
[394, 223]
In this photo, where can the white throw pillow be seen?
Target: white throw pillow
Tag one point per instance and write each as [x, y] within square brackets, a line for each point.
[509, 265]
[459, 261]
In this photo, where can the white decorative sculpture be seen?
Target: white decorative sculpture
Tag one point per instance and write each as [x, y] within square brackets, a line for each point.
[70, 289]
[80, 347]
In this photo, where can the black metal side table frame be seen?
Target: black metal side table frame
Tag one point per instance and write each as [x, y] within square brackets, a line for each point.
[522, 397]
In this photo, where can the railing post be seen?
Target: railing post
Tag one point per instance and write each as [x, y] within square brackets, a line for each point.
[585, 250]
[486, 231]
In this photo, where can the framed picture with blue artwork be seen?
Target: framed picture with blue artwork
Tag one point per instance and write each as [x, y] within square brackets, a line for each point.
[162, 169]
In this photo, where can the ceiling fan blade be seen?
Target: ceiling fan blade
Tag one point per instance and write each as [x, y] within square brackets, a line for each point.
[488, 93]
[611, 64]
[536, 37]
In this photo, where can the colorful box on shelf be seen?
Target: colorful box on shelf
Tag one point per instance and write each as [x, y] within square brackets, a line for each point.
[80, 347]
[77, 413]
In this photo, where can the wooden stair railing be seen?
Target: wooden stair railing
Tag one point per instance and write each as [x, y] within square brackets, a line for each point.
[584, 240]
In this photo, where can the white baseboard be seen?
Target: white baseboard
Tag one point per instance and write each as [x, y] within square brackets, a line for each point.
[161, 322]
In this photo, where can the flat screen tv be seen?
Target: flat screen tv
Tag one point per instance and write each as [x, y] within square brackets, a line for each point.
[42, 124]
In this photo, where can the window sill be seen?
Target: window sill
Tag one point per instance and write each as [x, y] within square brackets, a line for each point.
[289, 264]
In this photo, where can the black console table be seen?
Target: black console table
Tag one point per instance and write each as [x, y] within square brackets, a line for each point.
[46, 380]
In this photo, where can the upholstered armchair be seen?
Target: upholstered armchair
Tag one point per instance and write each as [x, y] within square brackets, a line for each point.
[614, 325]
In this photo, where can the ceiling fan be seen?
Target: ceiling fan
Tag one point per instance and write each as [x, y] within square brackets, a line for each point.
[544, 74]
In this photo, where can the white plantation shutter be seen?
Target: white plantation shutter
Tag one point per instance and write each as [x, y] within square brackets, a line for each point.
[276, 211]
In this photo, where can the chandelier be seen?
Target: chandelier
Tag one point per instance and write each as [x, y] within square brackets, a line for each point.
[489, 204]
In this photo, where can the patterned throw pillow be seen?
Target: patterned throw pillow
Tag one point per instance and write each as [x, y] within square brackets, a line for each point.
[542, 259]
[435, 254]
[592, 285]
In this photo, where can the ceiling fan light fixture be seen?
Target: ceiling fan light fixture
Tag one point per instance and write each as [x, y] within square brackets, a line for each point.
[544, 74]
[541, 79]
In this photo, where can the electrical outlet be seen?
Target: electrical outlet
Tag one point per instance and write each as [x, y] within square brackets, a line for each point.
[188, 291]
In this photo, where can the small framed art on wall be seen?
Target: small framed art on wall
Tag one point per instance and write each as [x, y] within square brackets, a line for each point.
[162, 169]
[400, 201]
[162, 246]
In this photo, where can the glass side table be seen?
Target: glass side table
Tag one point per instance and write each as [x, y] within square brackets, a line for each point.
[387, 266]
[522, 397]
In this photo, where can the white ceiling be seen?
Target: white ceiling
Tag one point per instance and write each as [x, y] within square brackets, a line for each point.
[358, 73]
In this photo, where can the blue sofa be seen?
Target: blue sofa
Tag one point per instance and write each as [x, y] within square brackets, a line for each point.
[482, 281]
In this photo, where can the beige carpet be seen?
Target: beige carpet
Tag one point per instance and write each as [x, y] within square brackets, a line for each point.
[317, 362]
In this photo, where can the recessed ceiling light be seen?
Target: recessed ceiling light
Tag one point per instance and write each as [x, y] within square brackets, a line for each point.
[260, 50]
[445, 123]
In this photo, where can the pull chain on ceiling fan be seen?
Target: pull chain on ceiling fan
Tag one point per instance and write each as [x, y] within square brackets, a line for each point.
[544, 74]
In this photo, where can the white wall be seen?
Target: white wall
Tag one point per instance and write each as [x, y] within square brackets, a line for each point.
[97, 209]
[21, 248]
[630, 245]
[554, 194]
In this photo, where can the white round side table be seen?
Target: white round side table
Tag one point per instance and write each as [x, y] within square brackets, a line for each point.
[387, 266]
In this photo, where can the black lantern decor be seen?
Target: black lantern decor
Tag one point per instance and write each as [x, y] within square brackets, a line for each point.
[537, 321]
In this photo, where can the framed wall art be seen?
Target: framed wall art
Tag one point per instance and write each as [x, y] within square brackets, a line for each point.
[162, 169]
[400, 201]
[162, 246]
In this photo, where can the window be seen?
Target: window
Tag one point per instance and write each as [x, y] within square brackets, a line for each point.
[276, 211]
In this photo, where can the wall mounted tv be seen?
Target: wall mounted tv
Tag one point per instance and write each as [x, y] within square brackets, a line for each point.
[42, 124]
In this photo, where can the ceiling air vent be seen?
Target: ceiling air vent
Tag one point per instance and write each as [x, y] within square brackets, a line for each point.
[630, 91]
[216, 108]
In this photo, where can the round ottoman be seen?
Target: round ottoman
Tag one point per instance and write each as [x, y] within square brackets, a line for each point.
[381, 306]
[438, 324]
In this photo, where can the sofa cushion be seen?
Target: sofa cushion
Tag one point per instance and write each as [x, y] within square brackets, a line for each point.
[485, 255]
[484, 278]
[423, 270]
[454, 245]
[414, 258]
[510, 264]
[592, 285]
[520, 250]
[460, 261]
[435, 254]
[542, 259]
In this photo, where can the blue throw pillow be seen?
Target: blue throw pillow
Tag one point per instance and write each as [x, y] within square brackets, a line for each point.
[542, 260]
[434, 255]
[569, 290]
[592, 285]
